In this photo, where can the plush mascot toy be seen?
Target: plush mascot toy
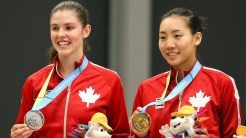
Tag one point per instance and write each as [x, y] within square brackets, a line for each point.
[97, 128]
[241, 132]
[182, 123]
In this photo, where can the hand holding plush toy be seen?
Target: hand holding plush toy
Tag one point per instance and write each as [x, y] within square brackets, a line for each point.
[241, 132]
[97, 128]
[181, 124]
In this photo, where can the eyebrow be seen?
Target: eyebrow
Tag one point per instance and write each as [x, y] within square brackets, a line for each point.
[65, 24]
[174, 31]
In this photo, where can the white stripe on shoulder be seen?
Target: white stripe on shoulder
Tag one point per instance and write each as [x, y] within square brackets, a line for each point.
[208, 68]
[235, 87]
[233, 81]
[103, 67]
[162, 74]
[235, 90]
[166, 72]
[50, 65]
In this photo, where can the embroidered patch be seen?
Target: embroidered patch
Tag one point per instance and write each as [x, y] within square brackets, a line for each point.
[200, 100]
[88, 96]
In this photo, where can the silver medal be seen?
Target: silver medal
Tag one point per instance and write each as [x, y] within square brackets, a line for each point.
[34, 120]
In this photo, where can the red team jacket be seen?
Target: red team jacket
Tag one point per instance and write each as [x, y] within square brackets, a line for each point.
[211, 90]
[94, 81]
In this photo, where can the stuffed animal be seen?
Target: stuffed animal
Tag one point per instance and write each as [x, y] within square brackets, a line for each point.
[240, 132]
[182, 122]
[97, 128]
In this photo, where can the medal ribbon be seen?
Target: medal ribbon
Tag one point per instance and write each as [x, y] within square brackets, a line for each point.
[44, 88]
[167, 84]
[42, 101]
[180, 87]
[165, 91]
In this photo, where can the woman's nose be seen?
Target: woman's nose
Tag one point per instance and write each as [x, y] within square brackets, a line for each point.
[170, 43]
[61, 33]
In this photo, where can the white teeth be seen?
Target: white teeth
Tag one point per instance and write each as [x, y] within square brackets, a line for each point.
[63, 43]
[172, 54]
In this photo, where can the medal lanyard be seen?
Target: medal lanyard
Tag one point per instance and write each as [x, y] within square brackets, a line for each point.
[42, 91]
[167, 84]
[42, 100]
[180, 87]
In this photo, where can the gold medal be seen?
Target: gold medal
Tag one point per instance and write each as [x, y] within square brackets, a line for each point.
[141, 122]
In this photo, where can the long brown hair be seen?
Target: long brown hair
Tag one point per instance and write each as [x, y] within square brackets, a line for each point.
[82, 14]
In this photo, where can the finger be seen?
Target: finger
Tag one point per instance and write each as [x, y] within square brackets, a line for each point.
[200, 136]
[141, 134]
[27, 134]
[202, 130]
[16, 133]
[205, 131]
[130, 122]
[20, 131]
[139, 109]
[201, 133]
[198, 130]
[18, 126]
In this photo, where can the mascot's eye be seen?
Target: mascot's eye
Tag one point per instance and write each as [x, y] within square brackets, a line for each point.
[182, 116]
[173, 117]
[101, 130]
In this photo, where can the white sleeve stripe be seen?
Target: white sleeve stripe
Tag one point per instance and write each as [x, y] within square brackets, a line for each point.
[236, 92]
[237, 97]
[239, 117]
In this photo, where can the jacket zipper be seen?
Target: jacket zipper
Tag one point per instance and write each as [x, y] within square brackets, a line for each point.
[180, 99]
[65, 112]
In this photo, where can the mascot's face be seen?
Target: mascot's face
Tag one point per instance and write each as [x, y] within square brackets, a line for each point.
[177, 123]
[99, 131]
[239, 136]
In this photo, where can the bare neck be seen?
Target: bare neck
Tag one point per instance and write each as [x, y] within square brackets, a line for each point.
[180, 75]
[67, 65]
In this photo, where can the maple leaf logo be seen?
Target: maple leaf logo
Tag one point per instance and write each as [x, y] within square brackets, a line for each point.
[199, 100]
[88, 96]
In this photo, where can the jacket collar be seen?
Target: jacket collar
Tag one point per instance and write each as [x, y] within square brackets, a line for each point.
[174, 73]
[56, 62]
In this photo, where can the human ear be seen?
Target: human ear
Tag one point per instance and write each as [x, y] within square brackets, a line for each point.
[86, 31]
[197, 38]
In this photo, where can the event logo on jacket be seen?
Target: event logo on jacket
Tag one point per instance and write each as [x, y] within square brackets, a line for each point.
[200, 100]
[88, 96]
